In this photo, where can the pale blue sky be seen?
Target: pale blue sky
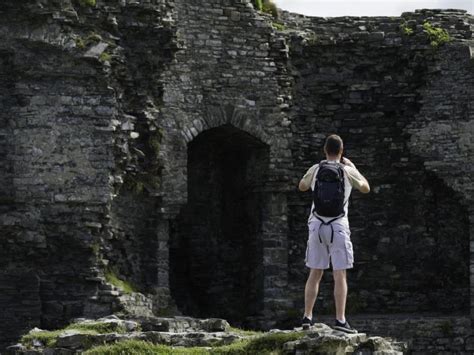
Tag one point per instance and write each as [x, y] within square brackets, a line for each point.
[368, 7]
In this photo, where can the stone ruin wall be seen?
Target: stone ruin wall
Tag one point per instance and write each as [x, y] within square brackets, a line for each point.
[100, 105]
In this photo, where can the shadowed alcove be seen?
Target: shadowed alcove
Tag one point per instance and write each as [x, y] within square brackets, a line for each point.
[216, 247]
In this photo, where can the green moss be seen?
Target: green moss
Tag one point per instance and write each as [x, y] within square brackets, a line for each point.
[80, 43]
[258, 4]
[114, 280]
[278, 26]
[47, 338]
[272, 341]
[95, 248]
[244, 331]
[105, 57]
[266, 344]
[87, 41]
[270, 8]
[153, 181]
[436, 35]
[166, 311]
[137, 347]
[134, 185]
[406, 29]
[89, 3]
[98, 327]
[267, 6]
[311, 39]
[154, 142]
[92, 38]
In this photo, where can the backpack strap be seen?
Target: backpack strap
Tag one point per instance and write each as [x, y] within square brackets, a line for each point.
[327, 223]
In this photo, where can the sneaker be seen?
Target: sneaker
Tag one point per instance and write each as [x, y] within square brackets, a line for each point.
[344, 327]
[306, 323]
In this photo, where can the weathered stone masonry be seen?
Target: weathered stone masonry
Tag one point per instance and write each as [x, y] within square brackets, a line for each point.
[138, 136]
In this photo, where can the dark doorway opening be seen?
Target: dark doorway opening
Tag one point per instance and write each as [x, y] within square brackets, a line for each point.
[216, 248]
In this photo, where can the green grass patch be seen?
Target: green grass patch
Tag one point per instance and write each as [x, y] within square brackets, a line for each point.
[267, 344]
[105, 57]
[258, 4]
[270, 8]
[245, 331]
[134, 185]
[80, 43]
[123, 285]
[436, 35]
[98, 327]
[267, 6]
[406, 29]
[138, 347]
[89, 3]
[48, 337]
[278, 26]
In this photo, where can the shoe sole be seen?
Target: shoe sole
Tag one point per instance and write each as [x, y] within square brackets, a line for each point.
[306, 326]
[345, 330]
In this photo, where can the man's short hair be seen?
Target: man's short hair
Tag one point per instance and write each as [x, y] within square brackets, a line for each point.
[333, 145]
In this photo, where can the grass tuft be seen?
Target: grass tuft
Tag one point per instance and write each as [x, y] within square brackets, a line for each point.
[266, 344]
[105, 57]
[123, 285]
[436, 35]
[48, 338]
[89, 3]
[245, 332]
[278, 26]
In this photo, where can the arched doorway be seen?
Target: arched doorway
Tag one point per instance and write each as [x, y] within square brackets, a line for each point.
[216, 241]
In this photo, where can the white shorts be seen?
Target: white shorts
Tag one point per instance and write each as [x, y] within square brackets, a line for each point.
[321, 249]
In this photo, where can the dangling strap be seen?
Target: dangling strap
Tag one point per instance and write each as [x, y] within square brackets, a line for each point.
[327, 223]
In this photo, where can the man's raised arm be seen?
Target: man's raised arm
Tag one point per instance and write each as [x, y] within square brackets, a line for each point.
[305, 182]
[358, 181]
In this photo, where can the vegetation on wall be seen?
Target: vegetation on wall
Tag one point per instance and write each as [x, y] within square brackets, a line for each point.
[113, 279]
[278, 26]
[436, 35]
[406, 29]
[87, 2]
[267, 6]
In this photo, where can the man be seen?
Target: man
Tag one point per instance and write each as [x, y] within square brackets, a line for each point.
[329, 237]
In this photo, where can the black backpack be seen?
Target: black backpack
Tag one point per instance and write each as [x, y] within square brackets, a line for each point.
[328, 193]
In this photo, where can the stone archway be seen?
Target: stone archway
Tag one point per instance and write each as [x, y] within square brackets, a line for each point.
[216, 241]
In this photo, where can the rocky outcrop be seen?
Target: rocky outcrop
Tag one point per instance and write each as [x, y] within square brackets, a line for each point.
[210, 336]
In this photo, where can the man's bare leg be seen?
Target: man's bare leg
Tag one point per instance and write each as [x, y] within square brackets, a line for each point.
[311, 291]
[340, 293]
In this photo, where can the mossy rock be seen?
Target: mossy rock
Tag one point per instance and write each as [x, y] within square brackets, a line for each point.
[123, 285]
[49, 338]
[266, 344]
[88, 3]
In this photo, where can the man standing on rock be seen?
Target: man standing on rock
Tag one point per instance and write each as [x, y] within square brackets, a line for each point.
[329, 234]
